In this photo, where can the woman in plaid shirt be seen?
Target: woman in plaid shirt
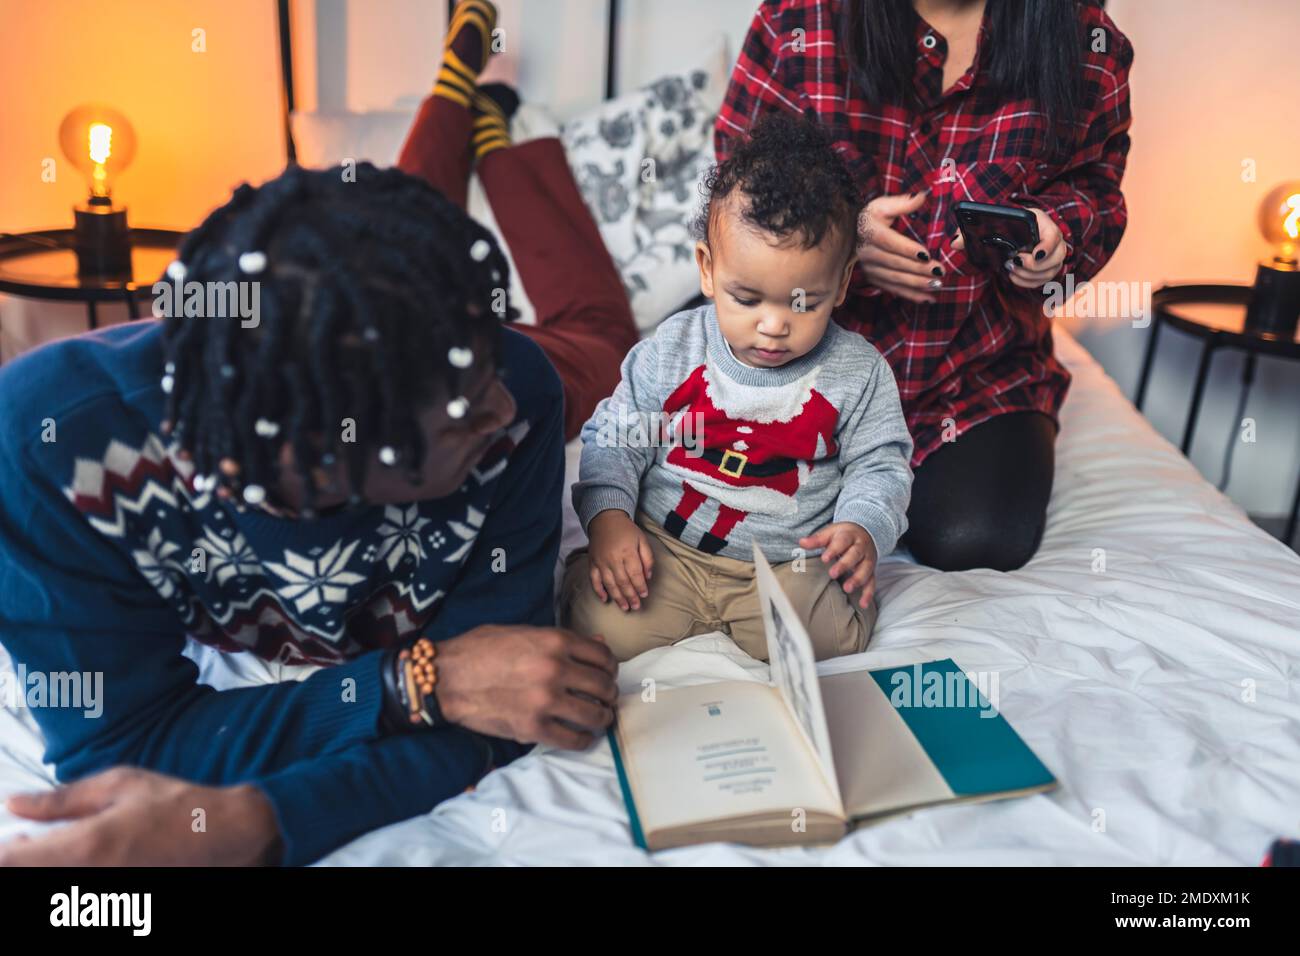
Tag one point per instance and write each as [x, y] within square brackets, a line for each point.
[1012, 102]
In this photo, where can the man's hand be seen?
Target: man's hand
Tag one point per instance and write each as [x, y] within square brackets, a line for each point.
[530, 684]
[890, 260]
[851, 548]
[1034, 269]
[131, 817]
[620, 559]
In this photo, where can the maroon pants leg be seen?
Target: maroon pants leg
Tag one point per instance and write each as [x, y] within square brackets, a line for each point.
[584, 320]
[437, 147]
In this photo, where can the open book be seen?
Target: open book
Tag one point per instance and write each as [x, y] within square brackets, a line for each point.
[803, 759]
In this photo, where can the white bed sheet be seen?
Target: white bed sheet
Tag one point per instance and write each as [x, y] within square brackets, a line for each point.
[1162, 692]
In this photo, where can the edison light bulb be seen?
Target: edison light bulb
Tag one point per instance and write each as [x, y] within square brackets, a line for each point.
[100, 142]
[1274, 307]
[1279, 219]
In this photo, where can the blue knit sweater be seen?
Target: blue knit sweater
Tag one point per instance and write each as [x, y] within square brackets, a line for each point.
[109, 558]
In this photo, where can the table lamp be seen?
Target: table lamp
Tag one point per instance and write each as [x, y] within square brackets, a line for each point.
[1275, 302]
[99, 141]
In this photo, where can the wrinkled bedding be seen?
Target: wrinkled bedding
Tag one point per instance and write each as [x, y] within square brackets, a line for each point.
[1160, 688]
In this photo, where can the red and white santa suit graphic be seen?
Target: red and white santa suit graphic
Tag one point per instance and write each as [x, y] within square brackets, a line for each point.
[747, 447]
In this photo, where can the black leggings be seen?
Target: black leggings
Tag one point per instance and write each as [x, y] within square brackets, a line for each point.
[981, 501]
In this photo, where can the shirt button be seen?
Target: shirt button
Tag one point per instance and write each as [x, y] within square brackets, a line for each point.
[925, 128]
[929, 42]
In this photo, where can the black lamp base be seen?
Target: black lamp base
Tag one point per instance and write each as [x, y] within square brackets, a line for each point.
[1275, 302]
[103, 240]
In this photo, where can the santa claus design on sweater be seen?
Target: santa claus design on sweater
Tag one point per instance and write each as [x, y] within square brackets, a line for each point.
[754, 447]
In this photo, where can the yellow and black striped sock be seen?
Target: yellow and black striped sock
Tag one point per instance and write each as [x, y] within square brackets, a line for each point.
[491, 119]
[466, 51]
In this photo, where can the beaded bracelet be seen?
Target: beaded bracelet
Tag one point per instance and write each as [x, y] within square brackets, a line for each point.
[410, 677]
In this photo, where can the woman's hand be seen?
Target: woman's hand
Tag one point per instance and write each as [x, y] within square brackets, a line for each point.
[890, 260]
[530, 684]
[1034, 269]
[620, 559]
[126, 816]
[852, 549]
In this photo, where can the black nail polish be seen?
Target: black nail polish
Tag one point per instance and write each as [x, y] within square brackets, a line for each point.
[1041, 253]
[936, 271]
[923, 256]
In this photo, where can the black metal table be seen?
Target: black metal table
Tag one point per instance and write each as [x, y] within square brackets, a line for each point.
[43, 265]
[1214, 313]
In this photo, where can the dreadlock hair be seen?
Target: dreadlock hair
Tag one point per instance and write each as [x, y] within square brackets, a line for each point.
[370, 293]
[793, 182]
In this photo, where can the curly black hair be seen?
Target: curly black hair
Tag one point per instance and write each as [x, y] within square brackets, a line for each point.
[367, 283]
[794, 183]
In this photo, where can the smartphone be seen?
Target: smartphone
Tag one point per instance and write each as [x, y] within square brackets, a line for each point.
[994, 234]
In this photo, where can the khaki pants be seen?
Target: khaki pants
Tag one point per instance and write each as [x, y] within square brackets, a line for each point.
[695, 593]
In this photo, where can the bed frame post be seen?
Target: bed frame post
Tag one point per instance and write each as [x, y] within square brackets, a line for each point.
[286, 79]
[611, 50]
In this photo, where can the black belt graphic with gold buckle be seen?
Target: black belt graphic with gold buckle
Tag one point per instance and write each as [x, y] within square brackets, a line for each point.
[734, 464]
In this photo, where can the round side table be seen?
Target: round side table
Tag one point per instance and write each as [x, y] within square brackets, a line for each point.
[1216, 314]
[43, 265]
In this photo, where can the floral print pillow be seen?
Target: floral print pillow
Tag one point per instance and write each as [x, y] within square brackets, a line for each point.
[639, 160]
[605, 149]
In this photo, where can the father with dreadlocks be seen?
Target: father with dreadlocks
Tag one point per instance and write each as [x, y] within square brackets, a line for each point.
[369, 479]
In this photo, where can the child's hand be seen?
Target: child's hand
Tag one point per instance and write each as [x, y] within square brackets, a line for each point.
[851, 548]
[620, 559]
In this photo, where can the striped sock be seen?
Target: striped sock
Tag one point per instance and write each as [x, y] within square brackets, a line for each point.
[468, 46]
[493, 105]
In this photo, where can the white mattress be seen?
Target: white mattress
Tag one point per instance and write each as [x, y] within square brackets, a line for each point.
[1162, 693]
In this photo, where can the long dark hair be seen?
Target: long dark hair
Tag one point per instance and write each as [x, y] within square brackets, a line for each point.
[1036, 52]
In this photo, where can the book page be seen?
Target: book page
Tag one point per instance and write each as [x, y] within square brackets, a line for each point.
[881, 765]
[794, 668]
[921, 734]
[717, 751]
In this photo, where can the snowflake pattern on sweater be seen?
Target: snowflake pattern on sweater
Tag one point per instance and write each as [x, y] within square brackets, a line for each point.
[363, 589]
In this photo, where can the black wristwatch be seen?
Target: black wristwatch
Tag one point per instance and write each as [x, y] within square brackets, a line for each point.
[410, 679]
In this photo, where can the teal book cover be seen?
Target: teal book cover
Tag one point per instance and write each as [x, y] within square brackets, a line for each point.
[969, 742]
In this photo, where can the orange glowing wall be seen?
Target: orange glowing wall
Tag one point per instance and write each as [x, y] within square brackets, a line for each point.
[205, 121]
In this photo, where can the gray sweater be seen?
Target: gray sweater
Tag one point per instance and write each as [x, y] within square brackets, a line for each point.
[723, 454]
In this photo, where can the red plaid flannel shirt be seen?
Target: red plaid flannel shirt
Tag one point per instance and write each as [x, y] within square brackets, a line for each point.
[985, 347]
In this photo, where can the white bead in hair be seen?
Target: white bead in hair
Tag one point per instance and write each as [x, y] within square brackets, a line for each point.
[457, 407]
[266, 428]
[479, 251]
[251, 263]
[460, 358]
[168, 383]
[388, 455]
[254, 494]
[205, 483]
[176, 270]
